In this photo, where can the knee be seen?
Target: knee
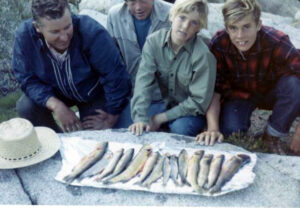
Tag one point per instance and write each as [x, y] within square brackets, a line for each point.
[290, 85]
[187, 127]
[25, 107]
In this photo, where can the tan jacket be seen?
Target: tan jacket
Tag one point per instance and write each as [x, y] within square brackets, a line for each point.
[120, 26]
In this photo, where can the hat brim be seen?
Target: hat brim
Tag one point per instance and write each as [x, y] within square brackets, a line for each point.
[50, 144]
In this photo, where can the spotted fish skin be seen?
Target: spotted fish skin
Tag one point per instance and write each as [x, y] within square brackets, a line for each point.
[87, 161]
[148, 167]
[193, 169]
[122, 164]
[134, 167]
[156, 173]
[230, 167]
[111, 165]
[166, 170]
[183, 160]
[204, 169]
[214, 170]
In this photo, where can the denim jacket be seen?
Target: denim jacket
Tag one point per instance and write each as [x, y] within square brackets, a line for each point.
[93, 67]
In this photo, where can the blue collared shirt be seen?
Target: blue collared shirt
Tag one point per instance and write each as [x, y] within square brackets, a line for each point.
[93, 67]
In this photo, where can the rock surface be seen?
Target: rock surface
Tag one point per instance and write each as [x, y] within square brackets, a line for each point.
[277, 181]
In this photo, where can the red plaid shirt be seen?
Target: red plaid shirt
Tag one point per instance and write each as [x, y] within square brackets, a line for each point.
[272, 56]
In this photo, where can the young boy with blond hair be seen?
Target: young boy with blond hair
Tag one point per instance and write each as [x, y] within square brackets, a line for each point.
[184, 68]
[257, 66]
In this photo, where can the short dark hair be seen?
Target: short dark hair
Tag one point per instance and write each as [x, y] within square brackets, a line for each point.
[53, 9]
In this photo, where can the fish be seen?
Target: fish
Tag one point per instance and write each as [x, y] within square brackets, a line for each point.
[214, 170]
[156, 173]
[134, 167]
[148, 167]
[230, 167]
[87, 161]
[193, 169]
[97, 168]
[204, 169]
[183, 160]
[111, 165]
[174, 169]
[166, 170]
[122, 164]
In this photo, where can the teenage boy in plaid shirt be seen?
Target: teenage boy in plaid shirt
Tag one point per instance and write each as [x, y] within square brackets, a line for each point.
[257, 66]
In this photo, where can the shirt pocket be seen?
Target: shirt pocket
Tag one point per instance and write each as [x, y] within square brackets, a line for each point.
[184, 80]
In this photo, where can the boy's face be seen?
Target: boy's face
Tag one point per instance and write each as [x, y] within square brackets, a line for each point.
[141, 9]
[184, 26]
[243, 33]
[57, 32]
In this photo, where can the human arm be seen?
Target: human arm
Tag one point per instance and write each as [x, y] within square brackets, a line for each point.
[144, 86]
[67, 118]
[99, 121]
[295, 143]
[104, 57]
[212, 133]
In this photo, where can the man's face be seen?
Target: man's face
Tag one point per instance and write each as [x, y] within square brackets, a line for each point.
[141, 9]
[243, 33]
[184, 26]
[57, 32]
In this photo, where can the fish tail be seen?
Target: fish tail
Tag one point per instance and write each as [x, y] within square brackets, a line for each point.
[68, 178]
[214, 189]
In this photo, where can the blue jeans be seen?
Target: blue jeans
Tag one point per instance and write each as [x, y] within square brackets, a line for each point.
[188, 125]
[40, 116]
[284, 99]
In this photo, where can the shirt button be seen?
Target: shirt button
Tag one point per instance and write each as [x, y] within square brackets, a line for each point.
[171, 90]
[171, 75]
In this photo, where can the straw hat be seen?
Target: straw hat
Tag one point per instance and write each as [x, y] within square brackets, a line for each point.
[22, 145]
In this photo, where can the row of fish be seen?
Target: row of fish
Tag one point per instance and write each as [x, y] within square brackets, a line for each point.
[203, 172]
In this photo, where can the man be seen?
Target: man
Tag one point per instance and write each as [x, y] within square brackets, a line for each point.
[129, 23]
[257, 66]
[62, 60]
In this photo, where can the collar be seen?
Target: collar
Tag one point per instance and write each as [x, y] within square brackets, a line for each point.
[188, 46]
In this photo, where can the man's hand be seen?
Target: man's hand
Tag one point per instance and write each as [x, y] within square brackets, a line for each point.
[210, 137]
[138, 128]
[157, 120]
[68, 119]
[295, 143]
[102, 120]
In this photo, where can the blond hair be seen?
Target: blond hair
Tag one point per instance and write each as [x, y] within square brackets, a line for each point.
[186, 6]
[235, 10]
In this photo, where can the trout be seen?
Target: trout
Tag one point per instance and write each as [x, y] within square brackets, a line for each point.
[214, 170]
[204, 169]
[183, 160]
[148, 167]
[87, 161]
[134, 167]
[111, 165]
[166, 170]
[122, 164]
[231, 166]
[156, 173]
[193, 169]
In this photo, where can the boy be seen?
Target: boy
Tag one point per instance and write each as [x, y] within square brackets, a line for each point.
[257, 66]
[184, 68]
